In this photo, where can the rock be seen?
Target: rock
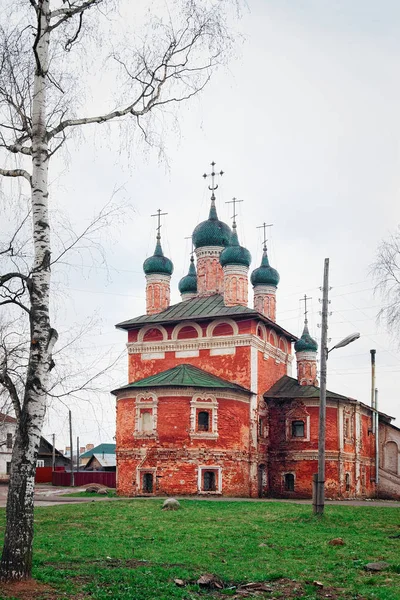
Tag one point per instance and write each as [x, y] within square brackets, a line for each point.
[318, 584]
[210, 581]
[95, 487]
[262, 545]
[171, 504]
[377, 566]
[179, 582]
[103, 491]
[336, 542]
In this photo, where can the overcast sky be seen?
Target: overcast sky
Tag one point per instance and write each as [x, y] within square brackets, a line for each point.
[305, 123]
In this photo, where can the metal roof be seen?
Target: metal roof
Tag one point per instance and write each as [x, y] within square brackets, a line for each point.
[105, 460]
[184, 376]
[100, 449]
[288, 387]
[201, 307]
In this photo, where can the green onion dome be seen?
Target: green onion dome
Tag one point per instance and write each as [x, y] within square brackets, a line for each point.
[306, 342]
[212, 232]
[234, 254]
[265, 274]
[158, 263]
[188, 284]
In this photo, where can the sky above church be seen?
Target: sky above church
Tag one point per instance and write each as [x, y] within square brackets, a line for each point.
[305, 123]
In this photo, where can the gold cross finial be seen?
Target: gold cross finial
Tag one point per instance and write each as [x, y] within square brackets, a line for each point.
[264, 226]
[159, 214]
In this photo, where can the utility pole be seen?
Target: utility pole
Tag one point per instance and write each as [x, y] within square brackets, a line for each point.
[320, 492]
[72, 450]
[53, 461]
[77, 453]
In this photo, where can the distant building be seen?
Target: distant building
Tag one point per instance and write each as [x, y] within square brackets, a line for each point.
[104, 455]
[101, 462]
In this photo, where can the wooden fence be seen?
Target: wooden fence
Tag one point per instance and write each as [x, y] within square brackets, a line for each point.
[82, 478]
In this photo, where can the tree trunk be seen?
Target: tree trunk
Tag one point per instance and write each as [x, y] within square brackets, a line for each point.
[16, 561]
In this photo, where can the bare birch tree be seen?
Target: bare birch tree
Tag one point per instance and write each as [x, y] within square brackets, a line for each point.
[386, 272]
[38, 37]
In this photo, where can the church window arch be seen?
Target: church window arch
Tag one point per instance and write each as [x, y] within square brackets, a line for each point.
[289, 482]
[223, 327]
[391, 457]
[262, 331]
[184, 331]
[147, 331]
[273, 338]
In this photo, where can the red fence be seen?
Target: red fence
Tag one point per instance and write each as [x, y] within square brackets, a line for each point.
[82, 478]
[43, 474]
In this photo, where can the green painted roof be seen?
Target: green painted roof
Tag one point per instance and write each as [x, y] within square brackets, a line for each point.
[158, 263]
[198, 308]
[265, 274]
[235, 254]
[188, 283]
[106, 448]
[306, 342]
[184, 376]
[288, 387]
[212, 232]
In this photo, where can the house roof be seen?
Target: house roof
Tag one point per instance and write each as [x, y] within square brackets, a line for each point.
[184, 376]
[105, 460]
[100, 449]
[199, 308]
[7, 418]
[288, 387]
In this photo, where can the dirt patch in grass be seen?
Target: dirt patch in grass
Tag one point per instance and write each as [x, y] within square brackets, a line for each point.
[284, 589]
[31, 590]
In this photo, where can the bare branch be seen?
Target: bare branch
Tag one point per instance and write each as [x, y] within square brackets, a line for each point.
[68, 13]
[16, 173]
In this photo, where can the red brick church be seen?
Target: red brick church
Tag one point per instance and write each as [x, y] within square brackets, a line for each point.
[211, 407]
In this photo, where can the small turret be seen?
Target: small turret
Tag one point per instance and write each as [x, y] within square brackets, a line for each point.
[188, 284]
[306, 354]
[158, 270]
[235, 261]
[265, 280]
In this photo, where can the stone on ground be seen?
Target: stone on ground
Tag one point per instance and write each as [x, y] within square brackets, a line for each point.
[376, 566]
[171, 504]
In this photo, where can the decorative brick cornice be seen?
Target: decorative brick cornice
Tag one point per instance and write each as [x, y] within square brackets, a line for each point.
[205, 343]
[187, 392]
[207, 251]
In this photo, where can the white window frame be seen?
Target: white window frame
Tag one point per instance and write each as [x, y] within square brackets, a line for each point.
[206, 402]
[200, 473]
[40, 463]
[146, 401]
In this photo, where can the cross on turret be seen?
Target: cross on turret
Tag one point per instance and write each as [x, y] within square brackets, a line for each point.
[234, 201]
[159, 214]
[305, 307]
[213, 175]
[264, 226]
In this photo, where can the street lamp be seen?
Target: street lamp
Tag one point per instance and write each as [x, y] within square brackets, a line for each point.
[319, 479]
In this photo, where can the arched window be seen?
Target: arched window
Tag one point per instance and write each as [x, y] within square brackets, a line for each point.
[203, 421]
[347, 481]
[289, 482]
[391, 457]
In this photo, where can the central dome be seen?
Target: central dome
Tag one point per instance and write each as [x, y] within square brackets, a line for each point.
[212, 232]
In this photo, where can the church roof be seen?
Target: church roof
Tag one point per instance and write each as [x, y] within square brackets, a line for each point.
[184, 376]
[288, 387]
[201, 307]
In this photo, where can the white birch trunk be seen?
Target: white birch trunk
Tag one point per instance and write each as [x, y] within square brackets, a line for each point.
[16, 561]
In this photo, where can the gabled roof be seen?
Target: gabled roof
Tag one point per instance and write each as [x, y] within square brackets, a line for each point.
[288, 387]
[100, 449]
[106, 460]
[200, 308]
[184, 376]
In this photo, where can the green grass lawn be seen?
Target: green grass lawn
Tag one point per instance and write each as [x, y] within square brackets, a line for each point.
[132, 550]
